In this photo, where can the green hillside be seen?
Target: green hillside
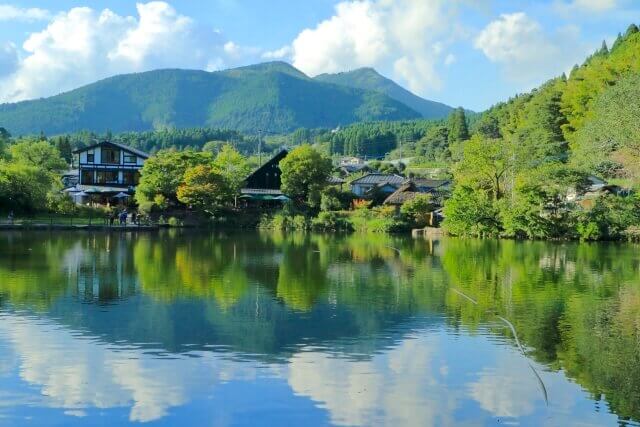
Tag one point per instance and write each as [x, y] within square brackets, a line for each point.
[272, 96]
[370, 79]
[588, 118]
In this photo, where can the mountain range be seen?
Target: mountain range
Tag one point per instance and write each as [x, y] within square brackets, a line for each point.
[273, 97]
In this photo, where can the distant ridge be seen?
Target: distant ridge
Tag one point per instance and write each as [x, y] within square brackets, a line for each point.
[272, 96]
[370, 79]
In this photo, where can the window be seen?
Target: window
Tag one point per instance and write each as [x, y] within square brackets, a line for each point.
[110, 156]
[90, 157]
[86, 177]
[130, 158]
[107, 177]
[130, 178]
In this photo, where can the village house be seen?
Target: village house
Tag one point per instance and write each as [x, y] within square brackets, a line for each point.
[380, 182]
[432, 186]
[107, 171]
[595, 188]
[409, 191]
[264, 184]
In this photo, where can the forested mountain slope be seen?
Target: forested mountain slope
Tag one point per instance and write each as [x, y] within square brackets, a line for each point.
[274, 96]
[370, 79]
[589, 118]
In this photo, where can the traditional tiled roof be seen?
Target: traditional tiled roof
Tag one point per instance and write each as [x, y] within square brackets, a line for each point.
[379, 178]
[333, 180]
[430, 183]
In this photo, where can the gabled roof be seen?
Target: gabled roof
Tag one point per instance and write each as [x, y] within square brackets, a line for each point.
[406, 192]
[122, 147]
[379, 178]
[279, 156]
[430, 183]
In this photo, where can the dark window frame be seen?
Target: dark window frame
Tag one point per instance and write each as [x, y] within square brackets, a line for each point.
[106, 181]
[104, 160]
[84, 174]
[91, 158]
[135, 177]
[127, 158]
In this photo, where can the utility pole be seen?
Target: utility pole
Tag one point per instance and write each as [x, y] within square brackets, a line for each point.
[260, 147]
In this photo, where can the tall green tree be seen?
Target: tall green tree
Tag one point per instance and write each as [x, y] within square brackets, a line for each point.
[204, 188]
[458, 127]
[304, 174]
[40, 154]
[537, 134]
[471, 212]
[485, 165]
[5, 139]
[63, 144]
[233, 166]
[163, 173]
[24, 187]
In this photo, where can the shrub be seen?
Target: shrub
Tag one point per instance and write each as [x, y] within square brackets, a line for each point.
[418, 210]
[378, 220]
[334, 199]
[282, 222]
[332, 221]
[174, 222]
[610, 218]
[589, 231]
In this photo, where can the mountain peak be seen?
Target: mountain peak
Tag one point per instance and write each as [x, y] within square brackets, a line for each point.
[370, 79]
[271, 67]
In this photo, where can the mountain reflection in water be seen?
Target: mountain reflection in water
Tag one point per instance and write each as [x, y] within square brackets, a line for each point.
[271, 329]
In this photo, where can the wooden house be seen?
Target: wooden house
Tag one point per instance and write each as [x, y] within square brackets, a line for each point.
[265, 183]
[107, 169]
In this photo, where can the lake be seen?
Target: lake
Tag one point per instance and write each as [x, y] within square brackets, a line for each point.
[176, 328]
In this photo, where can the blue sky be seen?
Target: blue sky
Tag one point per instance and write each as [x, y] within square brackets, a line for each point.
[461, 52]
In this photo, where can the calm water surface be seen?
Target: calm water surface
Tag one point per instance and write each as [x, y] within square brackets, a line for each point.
[268, 329]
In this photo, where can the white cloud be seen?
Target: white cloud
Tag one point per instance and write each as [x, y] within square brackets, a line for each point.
[76, 373]
[13, 13]
[398, 387]
[527, 54]
[405, 37]
[510, 391]
[83, 45]
[282, 53]
[450, 59]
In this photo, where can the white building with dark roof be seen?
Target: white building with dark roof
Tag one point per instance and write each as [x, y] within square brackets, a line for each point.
[108, 168]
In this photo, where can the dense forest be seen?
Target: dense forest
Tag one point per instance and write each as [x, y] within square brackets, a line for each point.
[522, 157]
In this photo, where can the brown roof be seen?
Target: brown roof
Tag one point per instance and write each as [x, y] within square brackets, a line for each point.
[403, 194]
